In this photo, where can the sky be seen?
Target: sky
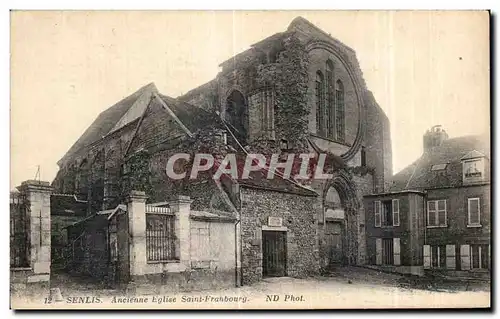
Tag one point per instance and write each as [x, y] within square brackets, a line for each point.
[423, 67]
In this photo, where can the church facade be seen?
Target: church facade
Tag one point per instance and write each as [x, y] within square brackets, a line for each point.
[298, 91]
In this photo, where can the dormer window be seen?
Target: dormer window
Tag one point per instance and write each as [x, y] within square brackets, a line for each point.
[473, 167]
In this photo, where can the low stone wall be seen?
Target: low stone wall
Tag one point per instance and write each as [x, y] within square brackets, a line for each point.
[24, 283]
[167, 282]
[405, 270]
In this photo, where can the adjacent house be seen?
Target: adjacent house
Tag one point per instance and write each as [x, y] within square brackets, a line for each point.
[437, 212]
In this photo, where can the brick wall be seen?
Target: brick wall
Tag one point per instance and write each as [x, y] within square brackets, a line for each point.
[378, 143]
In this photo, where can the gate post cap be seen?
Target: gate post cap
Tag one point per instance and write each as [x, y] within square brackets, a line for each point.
[137, 196]
[35, 185]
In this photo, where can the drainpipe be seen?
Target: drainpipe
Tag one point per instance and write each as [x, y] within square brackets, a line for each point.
[236, 282]
[425, 217]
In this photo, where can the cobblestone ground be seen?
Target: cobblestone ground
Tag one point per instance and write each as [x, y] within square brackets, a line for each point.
[343, 288]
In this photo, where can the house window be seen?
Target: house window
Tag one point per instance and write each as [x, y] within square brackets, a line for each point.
[436, 213]
[438, 256]
[330, 105]
[479, 256]
[474, 212]
[387, 251]
[160, 237]
[473, 169]
[340, 111]
[319, 104]
[387, 213]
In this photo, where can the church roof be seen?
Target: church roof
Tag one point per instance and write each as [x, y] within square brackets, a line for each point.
[108, 121]
[447, 158]
[131, 108]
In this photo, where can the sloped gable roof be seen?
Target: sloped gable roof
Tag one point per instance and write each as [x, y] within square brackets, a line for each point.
[137, 108]
[473, 154]
[108, 121]
[419, 175]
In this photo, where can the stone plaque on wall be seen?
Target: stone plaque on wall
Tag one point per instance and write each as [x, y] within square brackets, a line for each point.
[274, 221]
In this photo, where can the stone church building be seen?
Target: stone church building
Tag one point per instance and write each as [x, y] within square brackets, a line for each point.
[298, 91]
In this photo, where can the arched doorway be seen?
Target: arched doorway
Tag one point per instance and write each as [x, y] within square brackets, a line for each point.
[334, 228]
[237, 115]
[341, 219]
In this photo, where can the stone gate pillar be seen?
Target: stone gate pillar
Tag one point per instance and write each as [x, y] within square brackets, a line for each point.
[136, 211]
[182, 208]
[37, 194]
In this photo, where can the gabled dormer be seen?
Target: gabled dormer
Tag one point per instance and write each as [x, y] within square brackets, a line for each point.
[473, 167]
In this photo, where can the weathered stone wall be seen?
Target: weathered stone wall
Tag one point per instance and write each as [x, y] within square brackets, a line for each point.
[204, 96]
[378, 143]
[318, 59]
[301, 236]
[364, 186]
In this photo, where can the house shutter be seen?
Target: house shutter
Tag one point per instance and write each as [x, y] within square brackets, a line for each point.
[427, 256]
[450, 257]
[378, 219]
[397, 251]
[395, 212]
[465, 257]
[378, 248]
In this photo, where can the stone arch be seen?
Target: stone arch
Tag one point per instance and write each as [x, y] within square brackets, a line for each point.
[237, 114]
[359, 87]
[342, 185]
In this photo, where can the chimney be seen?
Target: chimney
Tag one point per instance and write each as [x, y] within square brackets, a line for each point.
[434, 137]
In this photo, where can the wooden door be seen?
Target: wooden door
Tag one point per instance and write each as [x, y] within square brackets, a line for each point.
[333, 233]
[274, 253]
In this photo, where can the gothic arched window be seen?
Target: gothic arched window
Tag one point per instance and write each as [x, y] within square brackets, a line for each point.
[340, 111]
[320, 107]
[237, 115]
[330, 105]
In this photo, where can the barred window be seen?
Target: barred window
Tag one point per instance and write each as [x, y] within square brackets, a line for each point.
[330, 107]
[340, 111]
[19, 231]
[160, 237]
[319, 103]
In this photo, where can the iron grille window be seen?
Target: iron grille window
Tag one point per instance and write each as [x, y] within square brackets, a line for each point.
[19, 224]
[160, 237]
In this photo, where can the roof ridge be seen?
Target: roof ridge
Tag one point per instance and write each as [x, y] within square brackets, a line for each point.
[93, 132]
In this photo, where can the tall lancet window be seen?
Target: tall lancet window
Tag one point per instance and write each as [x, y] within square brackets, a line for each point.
[330, 105]
[320, 104]
[340, 111]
